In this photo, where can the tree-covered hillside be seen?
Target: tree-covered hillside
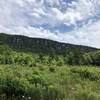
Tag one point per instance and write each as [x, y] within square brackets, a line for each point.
[38, 45]
[22, 50]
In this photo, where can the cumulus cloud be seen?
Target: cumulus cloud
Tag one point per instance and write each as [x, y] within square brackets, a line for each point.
[40, 18]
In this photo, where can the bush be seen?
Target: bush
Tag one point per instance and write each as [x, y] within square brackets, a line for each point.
[86, 74]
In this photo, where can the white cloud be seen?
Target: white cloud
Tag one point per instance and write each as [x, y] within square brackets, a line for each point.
[39, 12]
[89, 34]
[26, 17]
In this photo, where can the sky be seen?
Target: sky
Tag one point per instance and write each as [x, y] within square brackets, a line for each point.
[70, 21]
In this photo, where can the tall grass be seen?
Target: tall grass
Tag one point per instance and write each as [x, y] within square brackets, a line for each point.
[49, 83]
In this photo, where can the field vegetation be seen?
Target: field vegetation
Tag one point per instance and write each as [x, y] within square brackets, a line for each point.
[49, 83]
[40, 69]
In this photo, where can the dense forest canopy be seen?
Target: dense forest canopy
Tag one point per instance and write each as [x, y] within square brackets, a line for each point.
[33, 51]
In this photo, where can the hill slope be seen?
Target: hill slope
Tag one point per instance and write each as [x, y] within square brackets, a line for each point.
[15, 49]
[38, 45]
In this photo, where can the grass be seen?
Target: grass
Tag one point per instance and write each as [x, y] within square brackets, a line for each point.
[49, 83]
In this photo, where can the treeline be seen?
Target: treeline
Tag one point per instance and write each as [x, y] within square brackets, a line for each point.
[92, 58]
[8, 56]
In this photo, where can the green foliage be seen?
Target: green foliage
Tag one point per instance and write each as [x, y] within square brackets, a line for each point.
[40, 69]
[92, 58]
[33, 52]
[86, 74]
[8, 56]
[72, 83]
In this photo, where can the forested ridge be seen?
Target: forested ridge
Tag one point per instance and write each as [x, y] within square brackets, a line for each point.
[14, 48]
[39, 45]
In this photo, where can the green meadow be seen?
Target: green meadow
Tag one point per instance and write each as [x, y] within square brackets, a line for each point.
[49, 83]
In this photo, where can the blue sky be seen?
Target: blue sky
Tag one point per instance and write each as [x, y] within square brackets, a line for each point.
[70, 21]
